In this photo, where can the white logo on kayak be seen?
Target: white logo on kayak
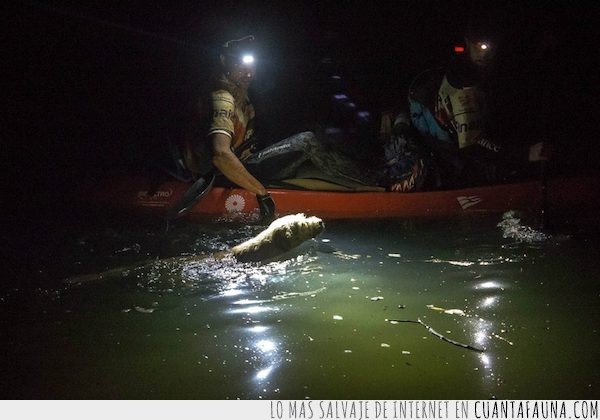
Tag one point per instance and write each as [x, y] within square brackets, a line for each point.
[466, 202]
[143, 195]
[235, 203]
[158, 199]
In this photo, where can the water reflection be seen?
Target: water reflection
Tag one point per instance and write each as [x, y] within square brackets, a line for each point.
[266, 354]
[249, 301]
[492, 284]
[485, 361]
[261, 343]
[257, 329]
[266, 346]
[488, 302]
[232, 292]
[263, 374]
[482, 330]
[251, 310]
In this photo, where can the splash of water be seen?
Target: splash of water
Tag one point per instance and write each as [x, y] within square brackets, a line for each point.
[512, 228]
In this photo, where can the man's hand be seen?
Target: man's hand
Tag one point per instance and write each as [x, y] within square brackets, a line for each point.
[267, 208]
[540, 151]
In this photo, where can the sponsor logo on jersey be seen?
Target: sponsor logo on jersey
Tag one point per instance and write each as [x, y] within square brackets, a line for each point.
[489, 145]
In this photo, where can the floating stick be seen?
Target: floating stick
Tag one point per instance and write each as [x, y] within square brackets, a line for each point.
[440, 336]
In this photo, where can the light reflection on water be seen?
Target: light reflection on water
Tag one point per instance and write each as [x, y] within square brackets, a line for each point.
[313, 325]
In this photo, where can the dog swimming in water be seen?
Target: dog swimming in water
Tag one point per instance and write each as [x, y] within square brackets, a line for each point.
[281, 236]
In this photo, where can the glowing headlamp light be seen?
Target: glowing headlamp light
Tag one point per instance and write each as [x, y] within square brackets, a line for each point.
[248, 59]
[483, 45]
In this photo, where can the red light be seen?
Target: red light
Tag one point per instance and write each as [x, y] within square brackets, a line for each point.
[459, 49]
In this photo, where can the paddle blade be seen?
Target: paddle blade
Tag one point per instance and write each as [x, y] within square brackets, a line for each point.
[191, 197]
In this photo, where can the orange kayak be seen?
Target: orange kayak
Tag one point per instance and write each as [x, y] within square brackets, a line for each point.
[140, 195]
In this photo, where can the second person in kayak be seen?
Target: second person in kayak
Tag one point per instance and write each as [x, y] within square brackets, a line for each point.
[453, 110]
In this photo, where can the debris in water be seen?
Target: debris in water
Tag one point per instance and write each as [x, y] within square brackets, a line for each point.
[338, 317]
[438, 335]
[455, 312]
[447, 311]
[374, 298]
[143, 310]
[401, 306]
[346, 256]
[288, 295]
[405, 352]
[394, 255]
[502, 338]
[385, 345]
[459, 263]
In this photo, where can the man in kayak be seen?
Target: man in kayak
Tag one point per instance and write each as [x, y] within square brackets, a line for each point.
[451, 108]
[226, 119]
[229, 144]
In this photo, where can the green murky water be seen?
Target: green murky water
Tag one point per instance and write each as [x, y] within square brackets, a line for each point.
[312, 325]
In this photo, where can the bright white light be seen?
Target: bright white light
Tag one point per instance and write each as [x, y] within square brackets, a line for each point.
[263, 374]
[252, 310]
[489, 301]
[249, 302]
[258, 329]
[484, 46]
[481, 337]
[488, 285]
[231, 292]
[266, 346]
[248, 59]
[485, 360]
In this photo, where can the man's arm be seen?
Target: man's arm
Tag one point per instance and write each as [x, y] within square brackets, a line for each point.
[230, 166]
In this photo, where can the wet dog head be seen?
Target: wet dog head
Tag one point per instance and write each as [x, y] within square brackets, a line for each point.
[282, 235]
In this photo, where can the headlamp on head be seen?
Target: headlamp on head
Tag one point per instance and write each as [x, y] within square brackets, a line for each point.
[248, 59]
[483, 45]
[240, 50]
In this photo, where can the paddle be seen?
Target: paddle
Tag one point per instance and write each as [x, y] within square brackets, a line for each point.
[544, 192]
[200, 187]
[542, 155]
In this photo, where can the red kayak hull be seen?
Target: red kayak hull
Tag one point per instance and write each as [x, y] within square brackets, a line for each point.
[140, 195]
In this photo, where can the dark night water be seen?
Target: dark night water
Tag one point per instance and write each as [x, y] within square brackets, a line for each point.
[310, 325]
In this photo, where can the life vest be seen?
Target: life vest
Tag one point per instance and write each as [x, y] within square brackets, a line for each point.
[231, 112]
[227, 110]
[445, 112]
[461, 111]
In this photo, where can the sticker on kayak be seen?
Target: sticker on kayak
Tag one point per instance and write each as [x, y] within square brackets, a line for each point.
[466, 202]
[235, 203]
[158, 199]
